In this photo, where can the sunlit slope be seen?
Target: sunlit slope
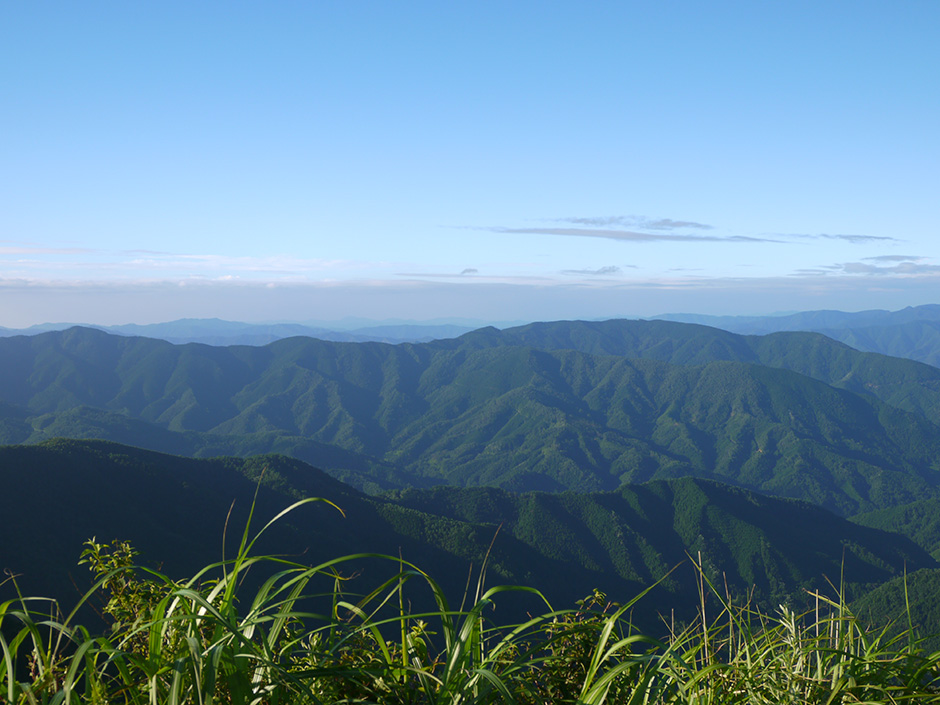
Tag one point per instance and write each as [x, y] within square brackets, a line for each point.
[507, 416]
[913, 332]
[903, 383]
[916, 340]
[919, 521]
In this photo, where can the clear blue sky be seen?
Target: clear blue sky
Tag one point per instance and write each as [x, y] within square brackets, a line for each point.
[491, 160]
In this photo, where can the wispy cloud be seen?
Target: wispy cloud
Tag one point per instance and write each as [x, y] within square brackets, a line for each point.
[626, 235]
[854, 239]
[474, 276]
[600, 272]
[635, 221]
[901, 266]
[813, 272]
[628, 228]
[634, 228]
[893, 258]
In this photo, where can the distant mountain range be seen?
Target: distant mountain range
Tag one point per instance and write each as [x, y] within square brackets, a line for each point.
[549, 406]
[214, 331]
[913, 332]
[810, 320]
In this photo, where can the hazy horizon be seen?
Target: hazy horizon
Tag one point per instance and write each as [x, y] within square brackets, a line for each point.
[353, 323]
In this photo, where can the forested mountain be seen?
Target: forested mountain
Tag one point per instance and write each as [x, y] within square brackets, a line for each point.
[916, 340]
[810, 320]
[906, 599]
[919, 521]
[913, 332]
[603, 452]
[901, 383]
[175, 511]
[516, 409]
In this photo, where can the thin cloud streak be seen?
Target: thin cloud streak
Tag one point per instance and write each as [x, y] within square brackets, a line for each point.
[903, 267]
[635, 221]
[632, 228]
[858, 239]
[906, 269]
[471, 277]
[893, 258]
[626, 235]
[600, 272]
[853, 239]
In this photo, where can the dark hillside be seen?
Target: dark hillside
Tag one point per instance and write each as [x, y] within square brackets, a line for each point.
[636, 531]
[174, 510]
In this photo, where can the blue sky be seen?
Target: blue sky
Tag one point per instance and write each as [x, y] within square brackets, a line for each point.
[489, 160]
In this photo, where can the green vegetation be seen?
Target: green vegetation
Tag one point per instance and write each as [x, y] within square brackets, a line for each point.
[913, 332]
[209, 639]
[919, 521]
[901, 383]
[618, 460]
[794, 415]
[619, 542]
[914, 596]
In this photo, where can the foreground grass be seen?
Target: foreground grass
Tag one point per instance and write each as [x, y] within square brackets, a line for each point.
[204, 640]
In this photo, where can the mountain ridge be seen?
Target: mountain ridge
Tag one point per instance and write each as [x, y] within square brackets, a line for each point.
[487, 409]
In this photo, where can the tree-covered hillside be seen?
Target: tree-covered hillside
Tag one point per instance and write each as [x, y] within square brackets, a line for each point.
[464, 413]
[912, 332]
[919, 521]
[620, 542]
[905, 601]
[898, 382]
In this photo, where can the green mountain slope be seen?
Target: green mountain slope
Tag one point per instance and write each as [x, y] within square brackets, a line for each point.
[811, 320]
[919, 521]
[912, 333]
[509, 416]
[889, 603]
[86, 422]
[638, 531]
[174, 509]
[915, 340]
[177, 511]
[905, 384]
